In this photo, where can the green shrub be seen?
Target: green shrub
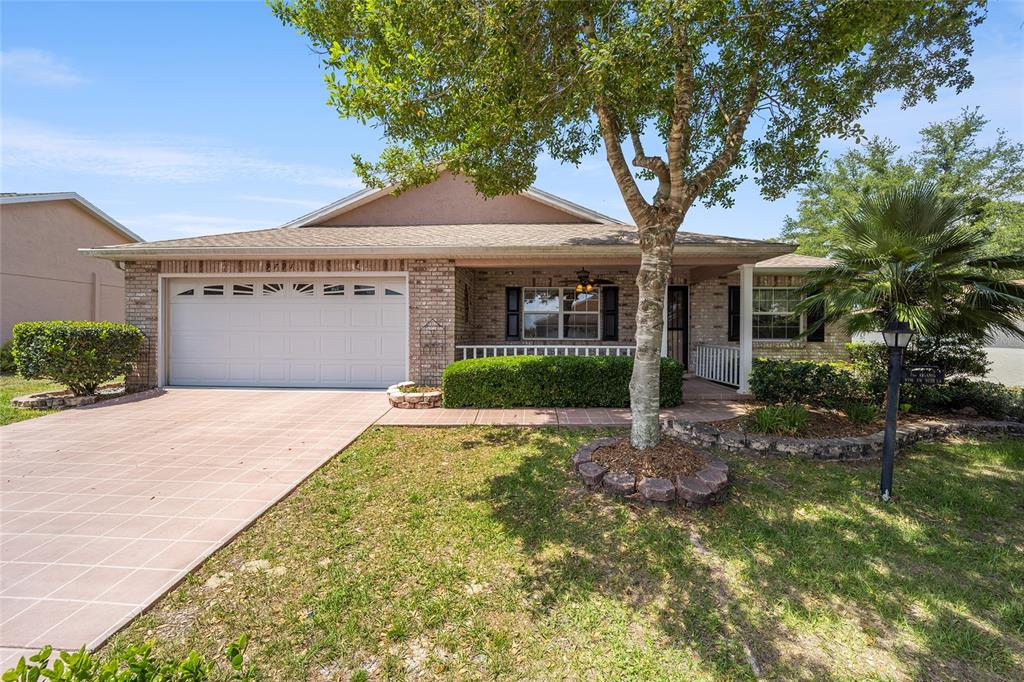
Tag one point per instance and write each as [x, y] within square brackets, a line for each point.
[137, 663]
[821, 384]
[788, 420]
[7, 365]
[954, 356]
[551, 381]
[989, 399]
[80, 355]
[862, 413]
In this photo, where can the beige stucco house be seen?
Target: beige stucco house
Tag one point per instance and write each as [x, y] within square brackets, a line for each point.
[379, 287]
[42, 274]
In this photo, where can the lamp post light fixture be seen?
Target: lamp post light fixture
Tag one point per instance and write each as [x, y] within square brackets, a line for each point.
[897, 337]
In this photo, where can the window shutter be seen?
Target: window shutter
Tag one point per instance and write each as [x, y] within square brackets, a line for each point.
[734, 313]
[609, 313]
[815, 315]
[513, 303]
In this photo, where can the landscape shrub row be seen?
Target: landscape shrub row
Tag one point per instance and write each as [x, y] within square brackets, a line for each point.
[858, 387]
[551, 381]
[80, 355]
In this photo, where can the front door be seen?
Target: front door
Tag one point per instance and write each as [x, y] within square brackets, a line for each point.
[678, 325]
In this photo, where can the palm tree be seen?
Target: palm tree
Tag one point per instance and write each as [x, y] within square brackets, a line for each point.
[911, 255]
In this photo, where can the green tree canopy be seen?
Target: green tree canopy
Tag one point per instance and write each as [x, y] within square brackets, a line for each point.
[951, 156]
[724, 87]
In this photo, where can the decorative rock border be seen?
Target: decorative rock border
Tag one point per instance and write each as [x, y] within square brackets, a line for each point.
[412, 401]
[851, 447]
[709, 485]
[55, 400]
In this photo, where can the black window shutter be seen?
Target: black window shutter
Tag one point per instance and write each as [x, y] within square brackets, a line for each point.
[609, 313]
[814, 316]
[734, 313]
[513, 302]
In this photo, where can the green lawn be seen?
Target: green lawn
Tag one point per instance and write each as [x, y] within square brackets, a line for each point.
[472, 554]
[12, 386]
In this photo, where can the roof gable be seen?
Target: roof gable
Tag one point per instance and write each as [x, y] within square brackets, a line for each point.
[449, 200]
[75, 197]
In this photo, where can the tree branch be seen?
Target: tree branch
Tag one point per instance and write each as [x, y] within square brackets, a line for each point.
[635, 202]
[737, 126]
[656, 165]
[678, 142]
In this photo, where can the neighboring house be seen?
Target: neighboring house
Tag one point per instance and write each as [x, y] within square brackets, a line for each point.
[379, 287]
[42, 274]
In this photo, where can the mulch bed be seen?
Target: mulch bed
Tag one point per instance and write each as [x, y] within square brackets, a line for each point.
[416, 388]
[668, 459]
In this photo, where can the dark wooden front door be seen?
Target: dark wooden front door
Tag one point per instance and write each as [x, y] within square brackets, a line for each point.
[678, 327]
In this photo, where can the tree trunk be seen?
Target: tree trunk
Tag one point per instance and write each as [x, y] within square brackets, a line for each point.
[645, 384]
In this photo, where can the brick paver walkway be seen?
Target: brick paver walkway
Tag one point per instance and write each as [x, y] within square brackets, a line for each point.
[102, 510]
[704, 411]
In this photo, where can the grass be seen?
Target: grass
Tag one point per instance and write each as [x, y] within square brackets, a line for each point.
[12, 386]
[471, 553]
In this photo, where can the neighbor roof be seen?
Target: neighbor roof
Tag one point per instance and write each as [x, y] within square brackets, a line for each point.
[794, 261]
[30, 197]
[437, 240]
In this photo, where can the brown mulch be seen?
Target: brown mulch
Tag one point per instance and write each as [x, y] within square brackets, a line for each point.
[668, 459]
[828, 424]
[418, 389]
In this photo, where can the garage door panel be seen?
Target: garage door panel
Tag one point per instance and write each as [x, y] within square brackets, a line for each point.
[274, 333]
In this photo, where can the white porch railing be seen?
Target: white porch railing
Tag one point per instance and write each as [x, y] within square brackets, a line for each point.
[492, 350]
[718, 363]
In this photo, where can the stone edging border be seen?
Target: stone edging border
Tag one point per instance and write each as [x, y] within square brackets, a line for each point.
[852, 447]
[412, 401]
[708, 486]
[54, 400]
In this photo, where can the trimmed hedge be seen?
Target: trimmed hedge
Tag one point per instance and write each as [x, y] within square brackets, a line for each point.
[985, 397]
[80, 355]
[551, 381]
[805, 382]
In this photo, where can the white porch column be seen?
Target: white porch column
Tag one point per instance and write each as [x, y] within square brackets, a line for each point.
[746, 325]
[664, 323]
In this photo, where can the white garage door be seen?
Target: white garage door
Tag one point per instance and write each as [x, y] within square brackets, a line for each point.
[346, 332]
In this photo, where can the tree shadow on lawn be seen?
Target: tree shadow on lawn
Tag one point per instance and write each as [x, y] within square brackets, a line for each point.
[809, 552]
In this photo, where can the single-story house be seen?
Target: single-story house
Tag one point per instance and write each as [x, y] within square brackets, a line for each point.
[42, 274]
[381, 287]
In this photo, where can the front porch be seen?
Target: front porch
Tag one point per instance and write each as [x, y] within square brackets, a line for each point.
[719, 315]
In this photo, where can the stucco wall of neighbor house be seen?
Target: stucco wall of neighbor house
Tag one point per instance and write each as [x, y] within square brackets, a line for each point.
[431, 300]
[451, 200]
[42, 275]
[709, 306]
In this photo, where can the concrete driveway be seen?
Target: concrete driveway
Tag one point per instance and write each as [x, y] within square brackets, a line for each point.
[104, 509]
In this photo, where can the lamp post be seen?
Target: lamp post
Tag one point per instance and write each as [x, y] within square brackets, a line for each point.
[897, 337]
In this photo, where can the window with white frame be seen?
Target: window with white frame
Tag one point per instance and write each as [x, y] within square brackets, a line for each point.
[561, 313]
[773, 318]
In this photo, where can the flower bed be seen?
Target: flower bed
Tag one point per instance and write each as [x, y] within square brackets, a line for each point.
[669, 474]
[401, 397]
[707, 435]
[54, 400]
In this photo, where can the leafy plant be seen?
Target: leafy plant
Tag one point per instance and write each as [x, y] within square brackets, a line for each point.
[80, 355]
[912, 255]
[987, 398]
[862, 413]
[820, 384]
[137, 663]
[788, 420]
[955, 356]
[551, 381]
[7, 365]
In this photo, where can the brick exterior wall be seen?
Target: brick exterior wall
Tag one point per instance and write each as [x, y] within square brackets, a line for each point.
[709, 307]
[141, 310]
[432, 319]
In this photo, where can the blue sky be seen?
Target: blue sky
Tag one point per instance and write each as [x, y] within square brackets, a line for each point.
[193, 118]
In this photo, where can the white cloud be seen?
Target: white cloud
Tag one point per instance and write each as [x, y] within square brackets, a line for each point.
[284, 201]
[172, 225]
[150, 158]
[37, 67]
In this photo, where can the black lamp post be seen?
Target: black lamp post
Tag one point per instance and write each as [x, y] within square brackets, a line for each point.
[897, 337]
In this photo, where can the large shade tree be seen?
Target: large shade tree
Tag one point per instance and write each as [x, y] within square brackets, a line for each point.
[703, 91]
